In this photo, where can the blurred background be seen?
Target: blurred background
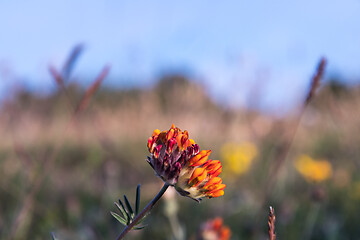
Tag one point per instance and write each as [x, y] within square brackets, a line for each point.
[83, 84]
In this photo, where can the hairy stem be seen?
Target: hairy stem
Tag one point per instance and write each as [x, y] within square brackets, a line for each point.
[143, 212]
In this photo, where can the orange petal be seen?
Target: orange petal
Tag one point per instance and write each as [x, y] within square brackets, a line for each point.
[216, 194]
[156, 132]
[161, 138]
[185, 144]
[217, 172]
[217, 223]
[225, 233]
[198, 172]
[213, 181]
[198, 176]
[178, 140]
[212, 166]
[200, 158]
[170, 134]
[191, 142]
[177, 131]
[150, 143]
[215, 188]
[184, 141]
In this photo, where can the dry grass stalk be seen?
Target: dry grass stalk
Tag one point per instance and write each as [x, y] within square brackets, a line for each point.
[92, 89]
[71, 61]
[271, 224]
[63, 77]
[48, 162]
[315, 82]
[57, 77]
[283, 151]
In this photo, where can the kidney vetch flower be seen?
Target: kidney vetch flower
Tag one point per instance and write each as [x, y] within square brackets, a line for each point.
[177, 160]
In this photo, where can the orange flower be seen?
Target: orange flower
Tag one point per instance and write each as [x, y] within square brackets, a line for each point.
[214, 230]
[177, 160]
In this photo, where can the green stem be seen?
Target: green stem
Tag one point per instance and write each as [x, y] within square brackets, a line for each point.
[143, 212]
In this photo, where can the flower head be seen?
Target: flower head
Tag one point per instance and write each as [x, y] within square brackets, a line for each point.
[313, 170]
[178, 161]
[238, 156]
[214, 230]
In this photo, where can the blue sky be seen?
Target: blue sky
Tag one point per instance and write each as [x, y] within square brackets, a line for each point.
[230, 46]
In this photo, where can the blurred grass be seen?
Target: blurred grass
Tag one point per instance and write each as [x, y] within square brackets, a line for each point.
[101, 157]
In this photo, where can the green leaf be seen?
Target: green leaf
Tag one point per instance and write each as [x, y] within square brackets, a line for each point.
[119, 218]
[123, 211]
[137, 201]
[142, 219]
[139, 228]
[131, 212]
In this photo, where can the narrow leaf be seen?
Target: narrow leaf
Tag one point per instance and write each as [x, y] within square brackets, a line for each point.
[139, 228]
[137, 201]
[142, 219]
[128, 206]
[119, 218]
[123, 211]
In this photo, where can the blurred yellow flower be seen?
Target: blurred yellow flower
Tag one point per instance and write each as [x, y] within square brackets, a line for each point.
[313, 170]
[237, 157]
